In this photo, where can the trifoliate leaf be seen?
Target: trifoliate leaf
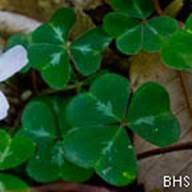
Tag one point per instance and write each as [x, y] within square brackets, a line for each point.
[133, 36]
[93, 116]
[43, 121]
[50, 49]
[135, 31]
[99, 117]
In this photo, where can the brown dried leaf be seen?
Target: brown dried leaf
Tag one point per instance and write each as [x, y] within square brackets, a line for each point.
[43, 9]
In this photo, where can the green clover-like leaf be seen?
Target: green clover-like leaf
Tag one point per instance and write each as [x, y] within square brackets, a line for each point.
[50, 51]
[177, 51]
[57, 29]
[105, 148]
[12, 183]
[133, 35]
[38, 121]
[150, 117]
[47, 52]
[156, 30]
[92, 116]
[98, 137]
[14, 152]
[86, 50]
[44, 121]
[49, 164]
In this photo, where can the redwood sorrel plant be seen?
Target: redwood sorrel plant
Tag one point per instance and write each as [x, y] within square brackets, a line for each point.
[79, 121]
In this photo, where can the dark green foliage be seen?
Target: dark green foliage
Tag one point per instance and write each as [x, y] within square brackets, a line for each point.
[71, 137]
[51, 53]
[135, 32]
[177, 50]
[13, 152]
[44, 121]
[99, 120]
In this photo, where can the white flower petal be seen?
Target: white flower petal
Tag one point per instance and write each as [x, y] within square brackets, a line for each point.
[12, 61]
[4, 106]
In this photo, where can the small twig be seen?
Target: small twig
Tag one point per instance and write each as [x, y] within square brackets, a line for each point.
[69, 187]
[54, 91]
[158, 7]
[34, 81]
[159, 151]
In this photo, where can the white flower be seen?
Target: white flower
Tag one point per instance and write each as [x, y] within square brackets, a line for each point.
[4, 106]
[11, 62]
